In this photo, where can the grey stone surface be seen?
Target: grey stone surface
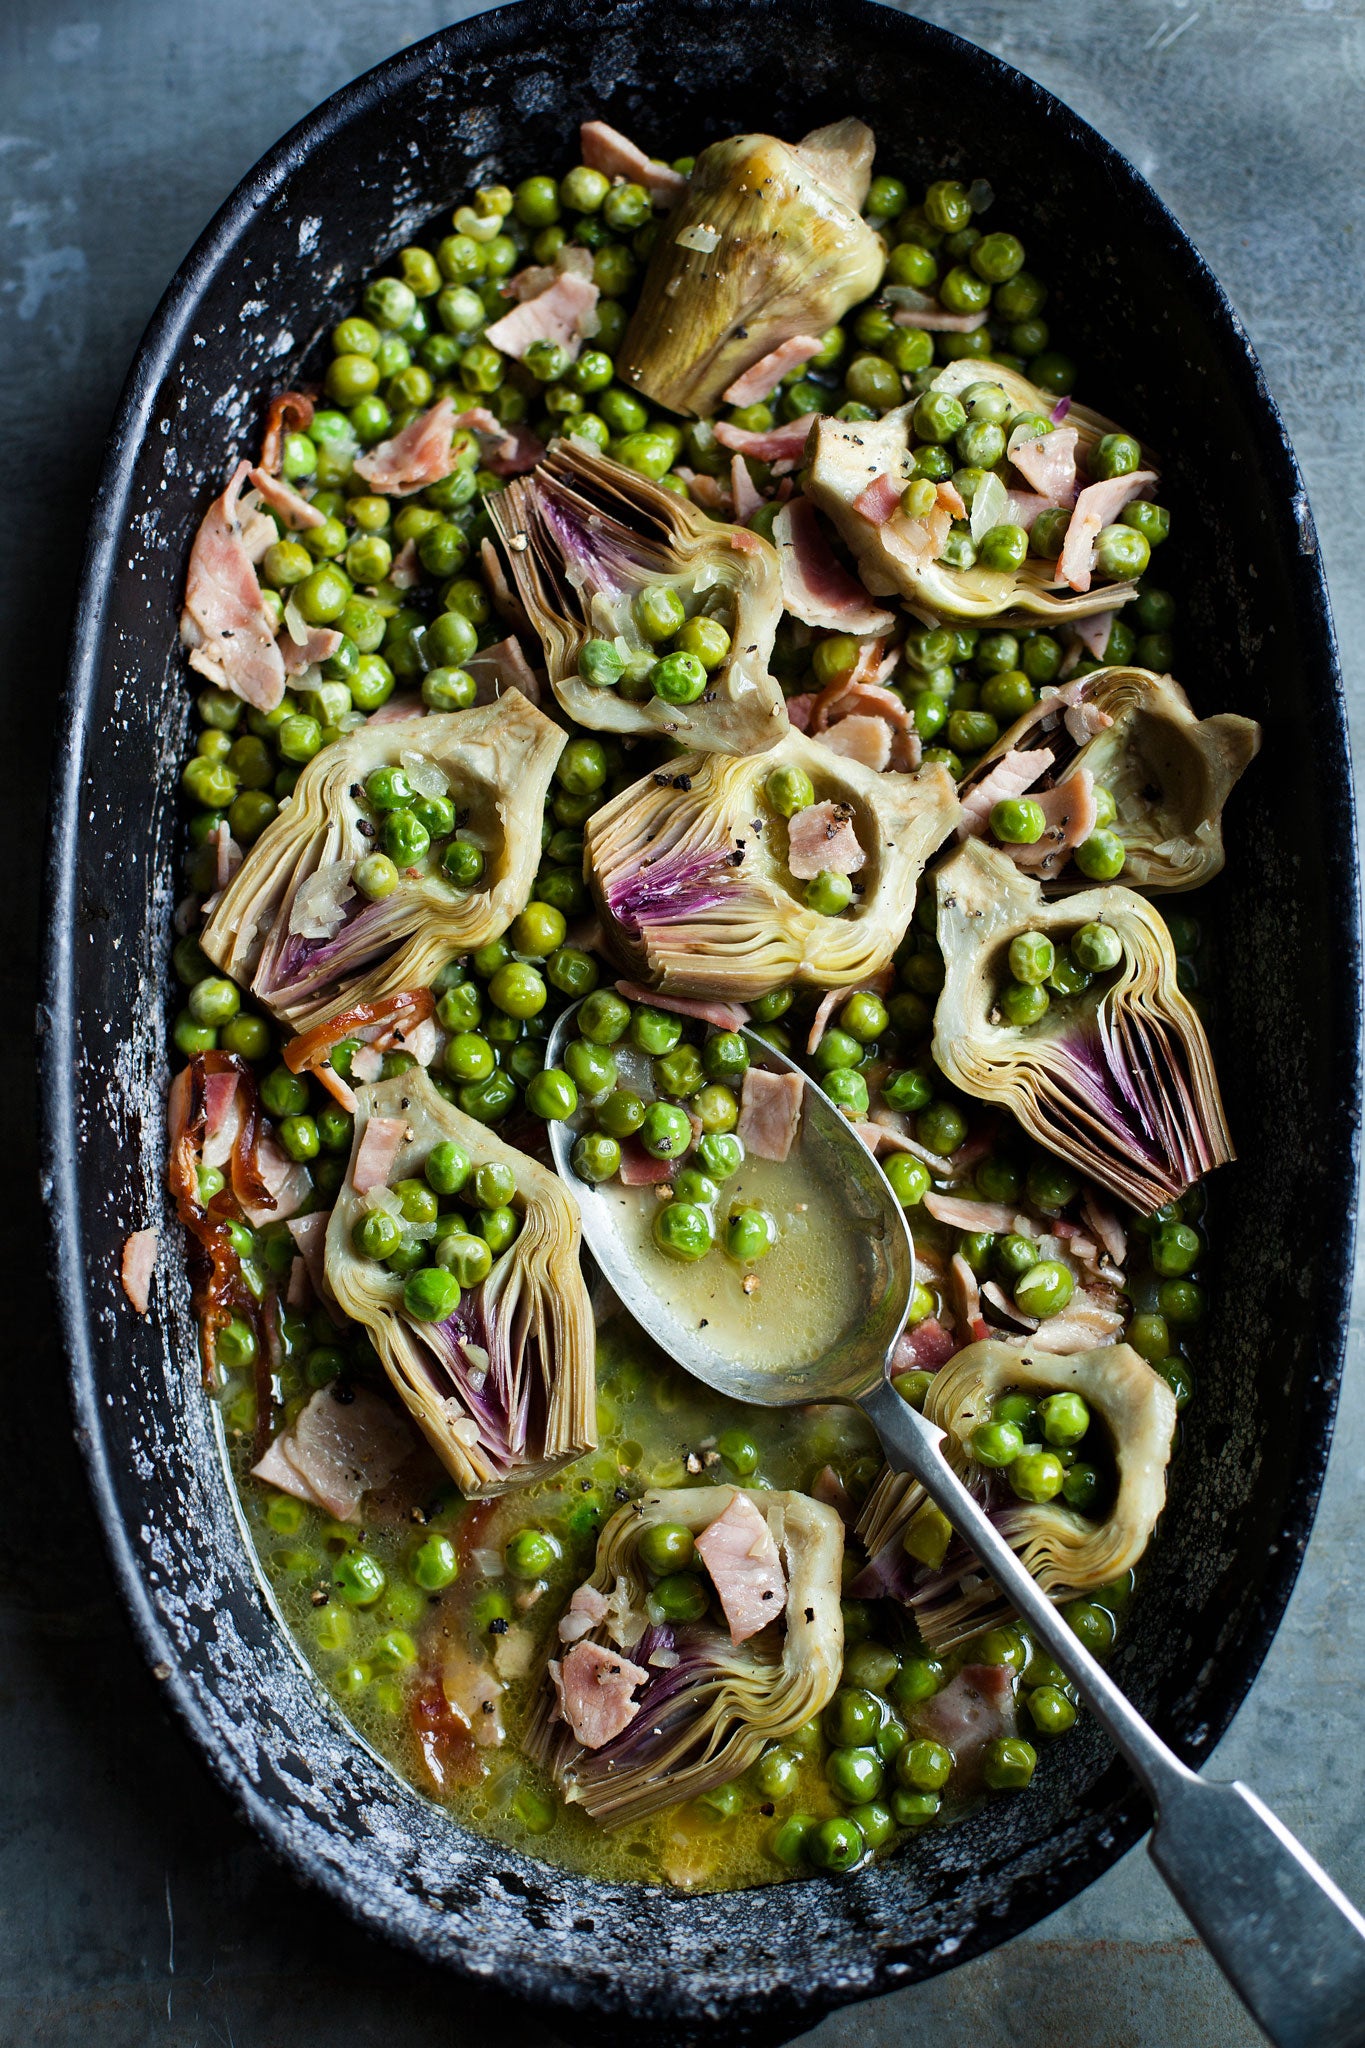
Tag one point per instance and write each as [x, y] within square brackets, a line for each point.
[135, 1910]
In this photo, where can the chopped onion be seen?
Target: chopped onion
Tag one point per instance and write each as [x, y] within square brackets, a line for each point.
[1022, 434]
[988, 505]
[701, 238]
[318, 910]
[911, 296]
[487, 1562]
[426, 778]
[980, 195]
[295, 624]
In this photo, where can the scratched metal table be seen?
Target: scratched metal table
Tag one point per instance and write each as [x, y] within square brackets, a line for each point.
[135, 1909]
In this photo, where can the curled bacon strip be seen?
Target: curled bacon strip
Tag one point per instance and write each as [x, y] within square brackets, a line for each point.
[290, 413]
[384, 1024]
[216, 1282]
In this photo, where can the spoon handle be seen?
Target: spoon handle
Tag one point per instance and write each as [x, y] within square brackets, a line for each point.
[1289, 1942]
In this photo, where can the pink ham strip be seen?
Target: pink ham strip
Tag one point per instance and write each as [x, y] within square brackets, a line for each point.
[225, 623]
[403, 704]
[860, 738]
[1098, 506]
[383, 1140]
[925, 1348]
[288, 1184]
[565, 313]
[1012, 774]
[881, 500]
[137, 1265]
[767, 373]
[501, 668]
[1106, 1225]
[594, 1686]
[419, 456]
[639, 1169]
[742, 1559]
[294, 510]
[405, 571]
[586, 1610]
[337, 1451]
[770, 1113]
[822, 838]
[745, 495]
[816, 587]
[934, 320]
[1023, 507]
[318, 645]
[800, 710]
[959, 1214]
[774, 444]
[605, 149]
[1049, 464]
[725, 1016]
[310, 1235]
[1070, 812]
[299, 1291]
[1093, 633]
[706, 491]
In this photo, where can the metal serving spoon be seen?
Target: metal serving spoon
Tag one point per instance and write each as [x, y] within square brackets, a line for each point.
[1289, 1942]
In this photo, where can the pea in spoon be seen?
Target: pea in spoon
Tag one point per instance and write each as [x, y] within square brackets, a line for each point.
[1289, 1942]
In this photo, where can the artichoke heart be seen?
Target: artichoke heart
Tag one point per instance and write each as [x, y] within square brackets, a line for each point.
[504, 1388]
[1119, 1079]
[1068, 1552]
[857, 469]
[584, 536]
[707, 1708]
[1169, 773]
[690, 870]
[767, 243]
[292, 921]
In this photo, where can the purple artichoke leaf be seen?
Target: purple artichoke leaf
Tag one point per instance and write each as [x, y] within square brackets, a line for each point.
[672, 888]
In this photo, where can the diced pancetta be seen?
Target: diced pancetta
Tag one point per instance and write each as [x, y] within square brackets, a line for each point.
[924, 1348]
[287, 1182]
[136, 1266]
[222, 1118]
[801, 709]
[345, 1442]
[960, 1214]
[564, 313]
[745, 1568]
[405, 570]
[821, 838]
[310, 1235]
[605, 149]
[474, 1695]
[1070, 812]
[1105, 1223]
[965, 1295]
[318, 644]
[1084, 722]
[367, 1064]
[760, 381]
[225, 622]
[1083, 1326]
[881, 500]
[707, 491]
[1023, 507]
[745, 496]
[1097, 507]
[786, 443]
[293, 509]
[860, 738]
[639, 1169]
[1049, 465]
[594, 1685]
[381, 1142]
[586, 1609]
[496, 670]
[770, 1113]
[816, 587]
[725, 1016]
[1012, 774]
[418, 456]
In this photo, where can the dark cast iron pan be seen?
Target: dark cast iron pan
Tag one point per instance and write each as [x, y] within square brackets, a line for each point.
[1163, 351]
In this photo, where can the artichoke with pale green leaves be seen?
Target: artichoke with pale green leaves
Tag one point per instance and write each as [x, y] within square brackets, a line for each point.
[1117, 1079]
[1068, 1551]
[766, 243]
[690, 871]
[584, 536]
[708, 1707]
[293, 924]
[503, 1389]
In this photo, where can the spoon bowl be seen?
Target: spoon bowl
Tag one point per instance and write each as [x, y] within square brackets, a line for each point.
[852, 1365]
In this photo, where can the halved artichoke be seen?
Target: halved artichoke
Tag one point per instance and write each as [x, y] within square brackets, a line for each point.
[709, 1708]
[504, 1389]
[1118, 1080]
[291, 922]
[895, 556]
[766, 243]
[688, 868]
[1067, 1552]
[1169, 773]
[583, 534]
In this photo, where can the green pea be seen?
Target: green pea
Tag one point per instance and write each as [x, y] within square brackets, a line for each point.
[1096, 948]
[924, 1766]
[1082, 1487]
[854, 1775]
[679, 1596]
[970, 732]
[852, 1718]
[1115, 455]
[719, 1154]
[468, 1258]
[1031, 956]
[434, 1565]
[1048, 532]
[1019, 821]
[1181, 1302]
[909, 1178]
[518, 990]
[913, 1386]
[938, 417]
[828, 894]
[359, 1578]
[431, 1294]
[1101, 856]
[531, 1554]
[494, 1184]
[1051, 1712]
[864, 1017]
[682, 1229]
[789, 790]
[908, 1089]
[1037, 1476]
[918, 1679]
[739, 1451]
[552, 1095]
[1066, 1418]
[1044, 1289]
[997, 1444]
[1008, 1764]
[790, 1842]
[942, 1127]
[775, 1773]
[622, 1113]
[750, 1235]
